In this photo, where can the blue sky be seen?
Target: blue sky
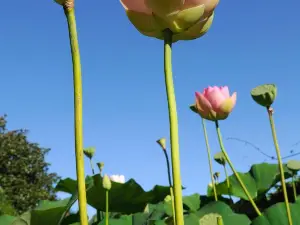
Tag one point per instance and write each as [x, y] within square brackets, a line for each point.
[125, 108]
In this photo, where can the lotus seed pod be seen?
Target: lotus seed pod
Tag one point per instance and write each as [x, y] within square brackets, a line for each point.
[294, 165]
[264, 95]
[106, 182]
[89, 152]
[162, 143]
[220, 158]
[100, 165]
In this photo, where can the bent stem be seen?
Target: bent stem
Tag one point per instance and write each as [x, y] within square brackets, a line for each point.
[170, 184]
[106, 206]
[70, 15]
[209, 160]
[227, 181]
[173, 127]
[283, 184]
[234, 171]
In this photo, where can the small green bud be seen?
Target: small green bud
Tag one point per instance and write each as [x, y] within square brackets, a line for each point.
[106, 182]
[264, 95]
[100, 166]
[216, 175]
[220, 158]
[89, 152]
[162, 143]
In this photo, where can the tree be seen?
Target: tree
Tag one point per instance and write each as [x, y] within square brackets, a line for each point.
[24, 175]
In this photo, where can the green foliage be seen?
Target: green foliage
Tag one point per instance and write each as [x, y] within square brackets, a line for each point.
[126, 198]
[24, 175]
[130, 204]
[5, 206]
[259, 180]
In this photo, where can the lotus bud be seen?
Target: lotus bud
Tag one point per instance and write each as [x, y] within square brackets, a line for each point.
[187, 20]
[215, 103]
[106, 182]
[264, 95]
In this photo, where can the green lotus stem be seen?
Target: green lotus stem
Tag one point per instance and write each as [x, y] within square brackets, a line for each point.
[173, 204]
[227, 181]
[220, 220]
[294, 188]
[98, 211]
[173, 127]
[209, 160]
[170, 184]
[92, 166]
[283, 184]
[70, 15]
[106, 207]
[234, 171]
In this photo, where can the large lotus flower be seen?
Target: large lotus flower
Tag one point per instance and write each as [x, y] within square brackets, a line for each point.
[187, 19]
[118, 178]
[215, 103]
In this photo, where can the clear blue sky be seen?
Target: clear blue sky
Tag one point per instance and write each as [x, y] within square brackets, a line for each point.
[125, 108]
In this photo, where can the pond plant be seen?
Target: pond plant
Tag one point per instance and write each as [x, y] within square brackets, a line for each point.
[120, 202]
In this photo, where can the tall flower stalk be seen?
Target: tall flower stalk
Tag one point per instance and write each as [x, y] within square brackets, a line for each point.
[265, 95]
[234, 171]
[294, 188]
[227, 181]
[209, 160]
[283, 184]
[174, 137]
[68, 6]
[106, 182]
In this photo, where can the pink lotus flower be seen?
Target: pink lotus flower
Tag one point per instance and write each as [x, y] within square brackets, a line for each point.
[187, 19]
[215, 103]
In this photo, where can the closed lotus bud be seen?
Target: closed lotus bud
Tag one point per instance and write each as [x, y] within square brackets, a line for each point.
[215, 103]
[162, 143]
[264, 95]
[106, 182]
[89, 152]
[189, 19]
